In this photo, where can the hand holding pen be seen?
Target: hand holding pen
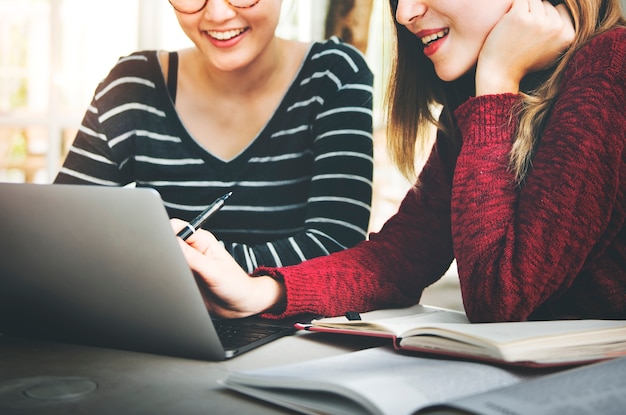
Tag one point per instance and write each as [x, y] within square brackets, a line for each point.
[197, 222]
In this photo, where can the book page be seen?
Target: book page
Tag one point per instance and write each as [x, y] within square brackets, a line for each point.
[539, 332]
[395, 321]
[541, 341]
[588, 390]
[380, 379]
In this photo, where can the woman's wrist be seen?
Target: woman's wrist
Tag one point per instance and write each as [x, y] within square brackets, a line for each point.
[491, 82]
[271, 294]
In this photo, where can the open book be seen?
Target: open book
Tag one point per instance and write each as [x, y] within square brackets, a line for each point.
[534, 343]
[380, 382]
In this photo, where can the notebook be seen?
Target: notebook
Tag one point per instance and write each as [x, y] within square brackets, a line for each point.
[101, 266]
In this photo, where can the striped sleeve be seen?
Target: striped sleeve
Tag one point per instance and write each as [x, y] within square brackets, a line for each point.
[102, 151]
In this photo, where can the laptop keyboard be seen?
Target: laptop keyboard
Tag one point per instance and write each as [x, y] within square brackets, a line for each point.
[234, 333]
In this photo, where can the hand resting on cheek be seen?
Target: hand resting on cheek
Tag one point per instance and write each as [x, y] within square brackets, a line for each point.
[529, 37]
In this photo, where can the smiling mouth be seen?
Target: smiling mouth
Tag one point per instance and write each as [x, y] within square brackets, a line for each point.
[225, 35]
[426, 40]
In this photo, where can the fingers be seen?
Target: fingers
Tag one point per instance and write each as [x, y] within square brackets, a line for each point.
[213, 303]
[200, 253]
[201, 240]
[529, 37]
[536, 6]
[177, 224]
[568, 32]
[228, 290]
[529, 6]
[194, 257]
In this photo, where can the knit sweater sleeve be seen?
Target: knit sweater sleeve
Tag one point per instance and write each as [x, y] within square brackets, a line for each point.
[519, 248]
[390, 269]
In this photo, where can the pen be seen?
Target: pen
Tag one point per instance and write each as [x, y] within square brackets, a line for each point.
[192, 226]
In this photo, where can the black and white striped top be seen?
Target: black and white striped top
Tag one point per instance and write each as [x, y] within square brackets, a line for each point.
[301, 189]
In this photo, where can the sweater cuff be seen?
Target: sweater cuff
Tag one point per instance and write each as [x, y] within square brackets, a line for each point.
[488, 118]
[301, 297]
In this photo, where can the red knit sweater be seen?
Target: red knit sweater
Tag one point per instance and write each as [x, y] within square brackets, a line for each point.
[554, 248]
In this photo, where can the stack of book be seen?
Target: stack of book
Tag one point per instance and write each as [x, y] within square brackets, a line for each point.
[440, 363]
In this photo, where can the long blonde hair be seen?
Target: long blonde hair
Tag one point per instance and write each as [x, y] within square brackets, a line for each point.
[415, 90]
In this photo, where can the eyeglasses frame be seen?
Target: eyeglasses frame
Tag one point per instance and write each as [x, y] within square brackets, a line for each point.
[205, 3]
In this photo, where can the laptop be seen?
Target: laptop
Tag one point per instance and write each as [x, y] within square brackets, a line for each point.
[101, 266]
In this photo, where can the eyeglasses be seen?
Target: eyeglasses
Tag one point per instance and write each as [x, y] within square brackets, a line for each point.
[194, 6]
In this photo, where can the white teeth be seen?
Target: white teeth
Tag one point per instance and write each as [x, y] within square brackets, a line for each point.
[229, 34]
[427, 39]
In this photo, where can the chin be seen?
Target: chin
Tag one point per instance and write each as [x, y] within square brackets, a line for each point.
[447, 76]
[450, 73]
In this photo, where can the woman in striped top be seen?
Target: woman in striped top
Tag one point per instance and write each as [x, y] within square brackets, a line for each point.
[285, 125]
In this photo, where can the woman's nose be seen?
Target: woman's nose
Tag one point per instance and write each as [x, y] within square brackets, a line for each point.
[218, 10]
[409, 10]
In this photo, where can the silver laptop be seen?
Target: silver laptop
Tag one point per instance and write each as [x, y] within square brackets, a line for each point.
[101, 266]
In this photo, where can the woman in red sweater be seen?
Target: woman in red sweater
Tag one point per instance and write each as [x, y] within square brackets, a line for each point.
[525, 186]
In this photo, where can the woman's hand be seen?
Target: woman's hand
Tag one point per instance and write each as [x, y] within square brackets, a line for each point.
[528, 38]
[229, 291]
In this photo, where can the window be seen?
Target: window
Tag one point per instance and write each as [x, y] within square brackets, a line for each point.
[52, 54]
